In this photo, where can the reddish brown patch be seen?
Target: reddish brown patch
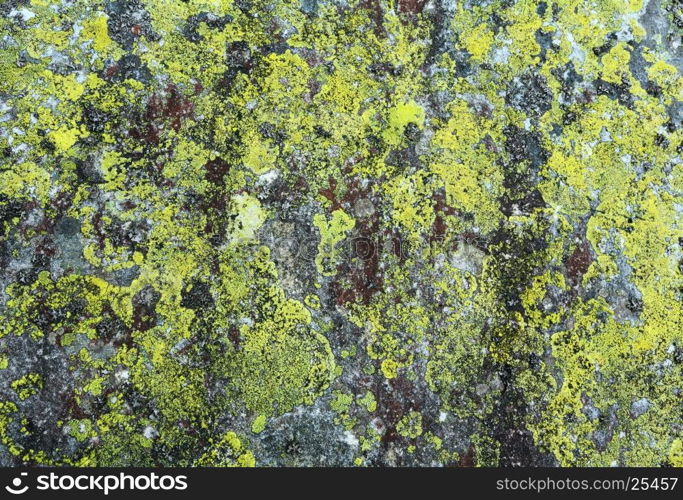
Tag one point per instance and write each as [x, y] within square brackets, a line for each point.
[136, 30]
[390, 435]
[587, 97]
[393, 402]
[376, 14]
[314, 87]
[441, 209]
[63, 201]
[301, 185]
[411, 6]
[234, 336]
[45, 248]
[111, 70]
[469, 459]
[171, 108]
[216, 170]
[358, 283]
[73, 409]
[99, 229]
[184, 350]
[313, 58]
[578, 262]
[330, 193]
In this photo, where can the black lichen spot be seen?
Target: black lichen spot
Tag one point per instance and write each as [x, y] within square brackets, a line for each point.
[9, 5]
[541, 8]
[677, 354]
[129, 66]
[523, 206]
[412, 132]
[112, 329]
[239, 60]
[523, 145]
[144, 308]
[244, 5]
[661, 141]
[49, 319]
[545, 40]
[653, 89]
[26, 276]
[277, 48]
[517, 256]
[197, 296]
[191, 29]
[9, 210]
[529, 93]
[569, 116]
[43, 254]
[94, 119]
[270, 131]
[88, 171]
[634, 304]
[128, 233]
[126, 21]
[619, 92]
[4, 257]
[402, 158]
[603, 49]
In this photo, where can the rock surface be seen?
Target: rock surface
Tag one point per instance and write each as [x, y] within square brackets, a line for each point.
[341, 232]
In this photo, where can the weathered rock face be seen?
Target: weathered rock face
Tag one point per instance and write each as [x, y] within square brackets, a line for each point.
[338, 232]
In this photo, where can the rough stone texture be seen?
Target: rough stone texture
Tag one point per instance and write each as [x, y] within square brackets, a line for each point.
[341, 232]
